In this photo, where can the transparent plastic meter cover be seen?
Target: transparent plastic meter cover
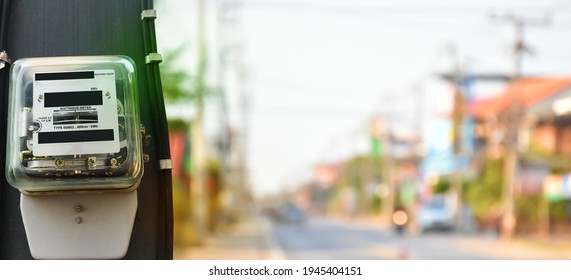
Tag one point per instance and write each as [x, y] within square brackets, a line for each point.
[73, 124]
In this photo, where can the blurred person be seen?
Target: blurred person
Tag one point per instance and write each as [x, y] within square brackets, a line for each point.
[400, 219]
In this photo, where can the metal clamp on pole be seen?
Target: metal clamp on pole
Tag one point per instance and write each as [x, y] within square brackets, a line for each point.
[148, 14]
[153, 58]
[4, 59]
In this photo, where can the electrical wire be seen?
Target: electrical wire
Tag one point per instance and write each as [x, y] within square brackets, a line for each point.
[158, 116]
[154, 82]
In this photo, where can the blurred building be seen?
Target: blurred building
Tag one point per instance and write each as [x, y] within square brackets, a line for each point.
[544, 135]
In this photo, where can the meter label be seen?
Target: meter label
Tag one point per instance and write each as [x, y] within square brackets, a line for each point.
[75, 113]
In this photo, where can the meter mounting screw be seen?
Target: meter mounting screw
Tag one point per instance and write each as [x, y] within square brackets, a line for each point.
[78, 208]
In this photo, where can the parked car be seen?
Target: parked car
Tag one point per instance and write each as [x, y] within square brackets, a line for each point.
[435, 214]
[291, 214]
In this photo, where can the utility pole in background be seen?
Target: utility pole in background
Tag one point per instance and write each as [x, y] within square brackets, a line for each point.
[419, 110]
[461, 82]
[236, 71]
[419, 148]
[225, 134]
[244, 188]
[198, 143]
[513, 120]
[387, 162]
[460, 109]
[458, 121]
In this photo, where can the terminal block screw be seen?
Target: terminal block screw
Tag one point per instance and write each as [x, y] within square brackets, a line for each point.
[91, 162]
[60, 163]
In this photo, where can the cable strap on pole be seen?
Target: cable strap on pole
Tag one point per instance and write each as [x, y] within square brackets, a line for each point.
[153, 58]
[165, 163]
[149, 14]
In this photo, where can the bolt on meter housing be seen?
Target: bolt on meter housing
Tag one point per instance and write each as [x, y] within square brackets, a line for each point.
[73, 124]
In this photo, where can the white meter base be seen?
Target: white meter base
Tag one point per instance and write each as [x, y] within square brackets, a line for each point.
[92, 226]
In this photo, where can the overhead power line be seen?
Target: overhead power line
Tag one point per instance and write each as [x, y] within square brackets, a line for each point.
[376, 9]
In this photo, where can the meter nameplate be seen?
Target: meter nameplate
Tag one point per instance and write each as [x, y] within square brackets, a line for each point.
[75, 113]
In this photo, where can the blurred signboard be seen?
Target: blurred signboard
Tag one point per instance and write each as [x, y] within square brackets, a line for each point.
[444, 156]
[531, 177]
[557, 187]
[440, 158]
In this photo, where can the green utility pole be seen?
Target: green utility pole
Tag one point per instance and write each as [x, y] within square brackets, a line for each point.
[89, 28]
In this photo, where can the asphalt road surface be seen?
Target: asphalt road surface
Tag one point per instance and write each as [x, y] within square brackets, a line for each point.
[327, 239]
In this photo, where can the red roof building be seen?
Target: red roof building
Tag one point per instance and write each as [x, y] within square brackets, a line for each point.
[529, 90]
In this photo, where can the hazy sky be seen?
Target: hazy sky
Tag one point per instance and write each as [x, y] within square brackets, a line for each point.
[317, 71]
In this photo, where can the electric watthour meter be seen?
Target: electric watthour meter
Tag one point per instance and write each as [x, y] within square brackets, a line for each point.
[74, 152]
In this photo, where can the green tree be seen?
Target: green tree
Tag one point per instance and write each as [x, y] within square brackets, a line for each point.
[358, 173]
[442, 186]
[175, 81]
[176, 84]
[485, 193]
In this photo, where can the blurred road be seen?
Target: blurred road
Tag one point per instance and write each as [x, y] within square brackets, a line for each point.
[248, 240]
[321, 238]
[257, 238]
